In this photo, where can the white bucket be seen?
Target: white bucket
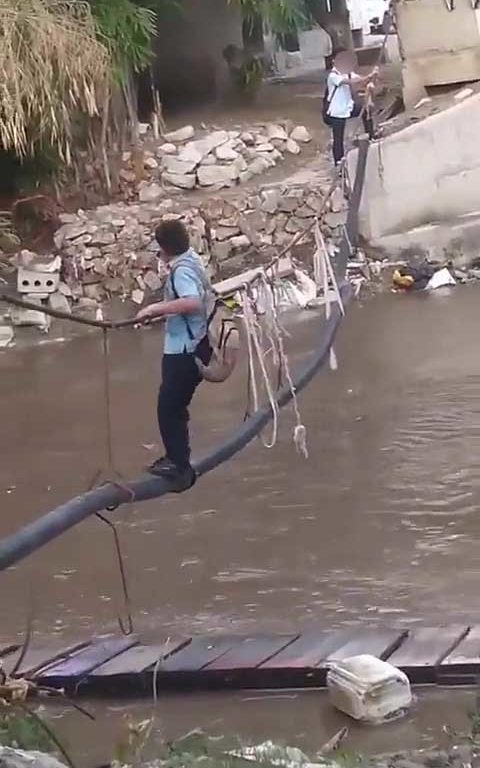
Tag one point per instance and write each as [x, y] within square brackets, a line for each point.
[368, 689]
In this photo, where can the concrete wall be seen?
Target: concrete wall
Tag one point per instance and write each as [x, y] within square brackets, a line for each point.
[440, 46]
[428, 172]
[189, 49]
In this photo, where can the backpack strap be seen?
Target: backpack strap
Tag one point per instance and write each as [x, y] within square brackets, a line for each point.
[330, 98]
[175, 293]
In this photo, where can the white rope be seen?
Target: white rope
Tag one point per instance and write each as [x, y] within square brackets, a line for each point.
[327, 272]
[249, 297]
[300, 431]
[255, 350]
[317, 264]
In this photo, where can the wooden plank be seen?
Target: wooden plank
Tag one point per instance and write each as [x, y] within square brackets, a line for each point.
[251, 652]
[39, 658]
[97, 653]
[467, 652]
[462, 665]
[307, 651]
[375, 642]
[427, 646]
[200, 652]
[138, 659]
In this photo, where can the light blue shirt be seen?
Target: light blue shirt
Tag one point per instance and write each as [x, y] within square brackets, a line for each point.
[187, 279]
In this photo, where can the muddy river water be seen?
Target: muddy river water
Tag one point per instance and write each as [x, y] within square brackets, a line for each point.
[379, 526]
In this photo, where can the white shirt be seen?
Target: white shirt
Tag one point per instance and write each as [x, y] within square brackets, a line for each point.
[340, 93]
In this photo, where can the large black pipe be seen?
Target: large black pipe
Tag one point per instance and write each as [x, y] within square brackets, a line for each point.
[41, 531]
[38, 533]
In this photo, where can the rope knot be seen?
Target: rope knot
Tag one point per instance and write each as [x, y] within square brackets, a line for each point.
[300, 439]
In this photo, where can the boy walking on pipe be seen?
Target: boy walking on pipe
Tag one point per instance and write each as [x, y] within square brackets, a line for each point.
[186, 309]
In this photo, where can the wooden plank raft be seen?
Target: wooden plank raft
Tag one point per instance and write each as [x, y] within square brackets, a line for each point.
[119, 665]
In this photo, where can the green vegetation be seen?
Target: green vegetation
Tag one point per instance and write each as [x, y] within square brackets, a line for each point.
[127, 30]
[281, 16]
[21, 730]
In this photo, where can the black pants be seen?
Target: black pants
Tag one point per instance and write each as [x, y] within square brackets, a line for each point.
[338, 125]
[180, 378]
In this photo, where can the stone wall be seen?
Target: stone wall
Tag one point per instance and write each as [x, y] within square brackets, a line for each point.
[189, 47]
[427, 172]
[111, 252]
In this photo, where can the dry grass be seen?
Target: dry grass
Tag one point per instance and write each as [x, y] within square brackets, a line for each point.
[52, 69]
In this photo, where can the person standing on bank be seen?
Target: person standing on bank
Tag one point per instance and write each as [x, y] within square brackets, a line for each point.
[340, 101]
[186, 308]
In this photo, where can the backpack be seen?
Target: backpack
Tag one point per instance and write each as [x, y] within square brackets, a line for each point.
[222, 334]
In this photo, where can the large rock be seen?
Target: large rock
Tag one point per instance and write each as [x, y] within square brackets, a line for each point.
[301, 134]
[276, 132]
[189, 154]
[69, 232]
[226, 152]
[259, 165]
[266, 147]
[57, 301]
[248, 138]
[221, 251]
[240, 241]
[149, 193]
[182, 134]
[102, 237]
[211, 175]
[224, 233]
[270, 200]
[180, 180]
[238, 166]
[152, 280]
[292, 147]
[167, 149]
[180, 165]
[150, 163]
[18, 758]
[203, 147]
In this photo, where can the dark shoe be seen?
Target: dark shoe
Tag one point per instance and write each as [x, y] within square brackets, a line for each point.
[157, 465]
[179, 479]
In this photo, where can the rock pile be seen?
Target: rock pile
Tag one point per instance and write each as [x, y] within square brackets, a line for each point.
[217, 159]
[111, 251]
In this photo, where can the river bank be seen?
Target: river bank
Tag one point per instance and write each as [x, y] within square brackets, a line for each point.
[139, 745]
